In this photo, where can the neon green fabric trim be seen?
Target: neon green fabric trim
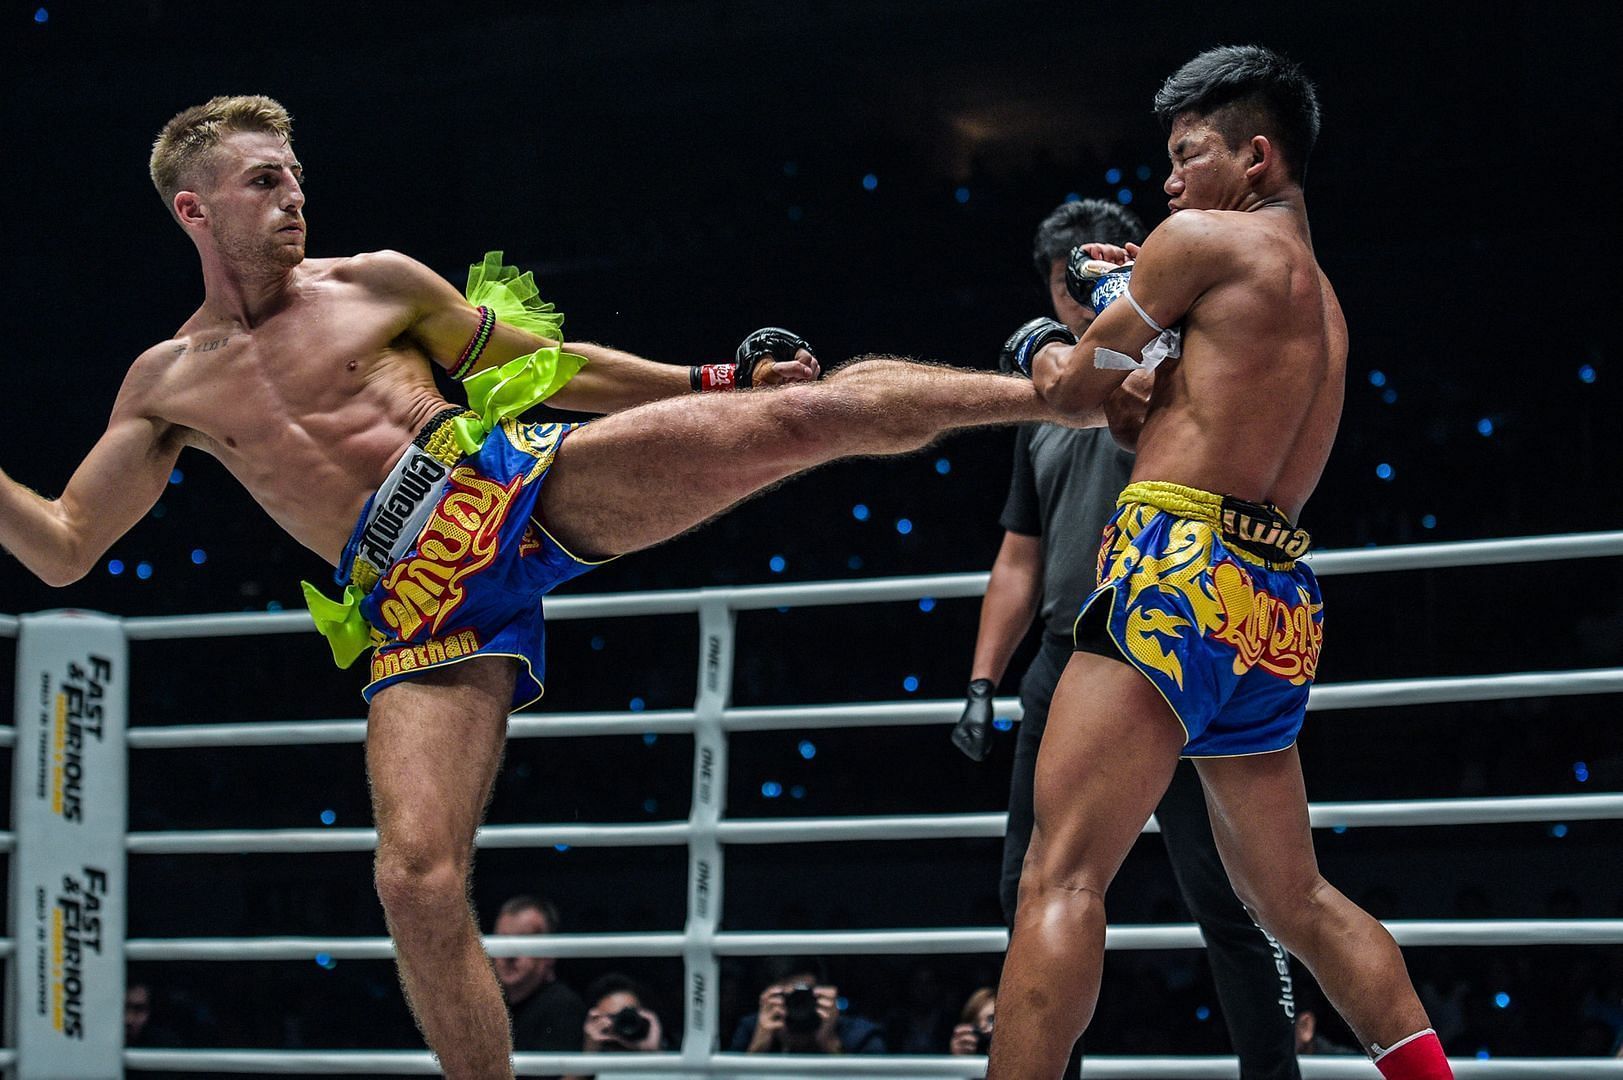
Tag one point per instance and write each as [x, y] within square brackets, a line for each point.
[340, 622]
[494, 393]
[525, 381]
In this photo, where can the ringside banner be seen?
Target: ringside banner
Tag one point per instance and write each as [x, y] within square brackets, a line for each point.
[70, 789]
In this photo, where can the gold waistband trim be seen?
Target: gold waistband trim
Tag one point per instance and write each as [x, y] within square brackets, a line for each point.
[1260, 529]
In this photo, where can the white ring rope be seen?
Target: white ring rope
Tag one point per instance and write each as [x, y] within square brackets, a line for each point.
[712, 719]
[901, 942]
[1372, 693]
[358, 1062]
[1403, 812]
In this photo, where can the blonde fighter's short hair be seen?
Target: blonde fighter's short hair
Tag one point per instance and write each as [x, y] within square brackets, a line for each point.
[184, 148]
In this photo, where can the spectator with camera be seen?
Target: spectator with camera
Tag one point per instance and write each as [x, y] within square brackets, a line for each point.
[618, 1019]
[973, 1035]
[800, 1014]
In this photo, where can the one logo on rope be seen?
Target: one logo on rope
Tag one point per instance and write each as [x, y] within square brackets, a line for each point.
[78, 718]
[75, 929]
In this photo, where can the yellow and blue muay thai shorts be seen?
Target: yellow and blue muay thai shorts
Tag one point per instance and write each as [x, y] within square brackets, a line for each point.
[451, 558]
[1203, 594]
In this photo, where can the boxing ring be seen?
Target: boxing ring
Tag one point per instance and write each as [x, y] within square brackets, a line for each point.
[707, 832]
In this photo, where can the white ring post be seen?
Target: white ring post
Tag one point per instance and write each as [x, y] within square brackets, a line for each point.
[68, 881]
[704, 847]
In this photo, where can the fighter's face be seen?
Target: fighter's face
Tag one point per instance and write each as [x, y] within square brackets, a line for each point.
[1206, 174]
[255, 205]
[1066, 309]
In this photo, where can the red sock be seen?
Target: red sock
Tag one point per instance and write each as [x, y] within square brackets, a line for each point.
[1419, 1057]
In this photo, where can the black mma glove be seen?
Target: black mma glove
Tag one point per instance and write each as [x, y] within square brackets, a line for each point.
[769, 341]
[1023, 344]
[1094, 283]
[973, 732]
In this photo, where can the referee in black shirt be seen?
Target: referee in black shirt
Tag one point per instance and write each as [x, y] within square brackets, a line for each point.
[1062, 492]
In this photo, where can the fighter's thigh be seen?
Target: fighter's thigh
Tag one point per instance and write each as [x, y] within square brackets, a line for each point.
[433, 745]
[1258, 810]
[639, 477]
[1107, 754]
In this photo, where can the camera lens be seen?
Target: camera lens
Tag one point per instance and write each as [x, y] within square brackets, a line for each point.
[800, 1010]
[629, 1025]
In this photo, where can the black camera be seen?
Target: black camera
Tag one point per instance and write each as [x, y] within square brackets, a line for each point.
[629, 1026]
[983, 1041]
[800, 1010]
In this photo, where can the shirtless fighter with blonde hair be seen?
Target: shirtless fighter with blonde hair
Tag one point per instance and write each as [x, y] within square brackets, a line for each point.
[310, 380]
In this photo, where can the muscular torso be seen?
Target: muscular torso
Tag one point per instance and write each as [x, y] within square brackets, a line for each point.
[1251, 408]
[309, 408]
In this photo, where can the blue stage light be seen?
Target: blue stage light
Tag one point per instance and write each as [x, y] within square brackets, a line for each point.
[42, 16]
[1384, 471]
[808, 749]
[777, 564]
[176, 476]
[1484, 427]
[911, 683]
[1502, 1000]
[962, 195]
[869, 182]
[904, 525]
[143, 570]
[1203, 1012]
[1429, 521]
[199, 556]
[1586, 373]
[1112, 176]
[1072, 196]
[638, 704]
[1124, 196]
[1377, 378]
[328, 817]
[560, 847]
[798, 791]
[854, 563]
[1390, 396]
[1580, 772]
[649, 738]
[943, 466]
[1558, 830]
[772, 789]
[1003, 723]
[860, 511]
[598, 643]
[115, 566]
[927, 603]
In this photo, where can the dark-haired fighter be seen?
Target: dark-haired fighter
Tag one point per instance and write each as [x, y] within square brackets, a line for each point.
[1064, 486]
[1203, 634]
[311, 381]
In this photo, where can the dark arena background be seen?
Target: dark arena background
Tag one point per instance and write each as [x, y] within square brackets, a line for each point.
[869, 174]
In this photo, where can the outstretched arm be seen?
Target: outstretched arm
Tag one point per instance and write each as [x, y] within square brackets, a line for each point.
[1183, 258]
[60, 539]
[443, 322]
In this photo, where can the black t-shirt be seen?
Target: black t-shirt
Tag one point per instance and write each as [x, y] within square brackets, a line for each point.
[552, 1018]
[1063, 490]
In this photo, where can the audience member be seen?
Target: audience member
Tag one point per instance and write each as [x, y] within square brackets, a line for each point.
[547, 1015]
[973, 1035]
[800, 1014]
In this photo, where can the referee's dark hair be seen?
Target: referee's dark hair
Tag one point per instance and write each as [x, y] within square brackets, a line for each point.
[1088, 221]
